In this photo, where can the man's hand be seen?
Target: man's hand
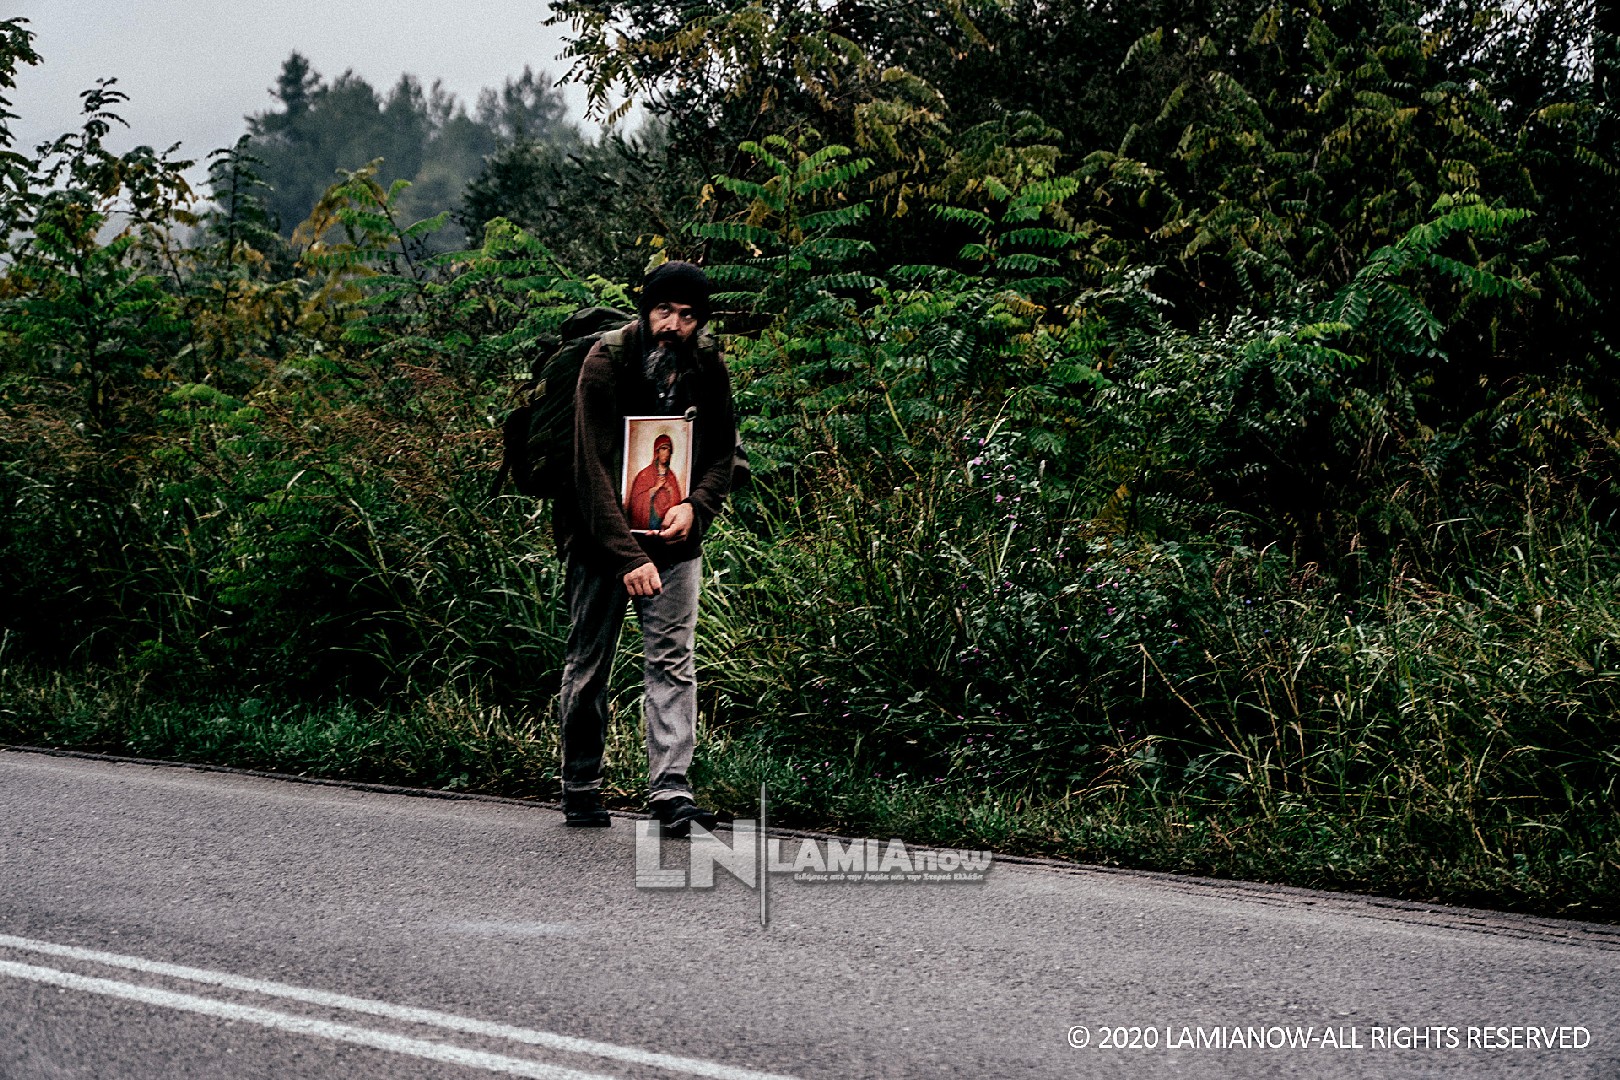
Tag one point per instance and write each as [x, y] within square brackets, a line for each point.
[643, 581]
[677, 523]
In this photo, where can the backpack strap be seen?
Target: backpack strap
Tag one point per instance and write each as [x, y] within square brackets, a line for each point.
[614, 344]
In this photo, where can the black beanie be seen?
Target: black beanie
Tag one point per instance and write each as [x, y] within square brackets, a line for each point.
[676, 283]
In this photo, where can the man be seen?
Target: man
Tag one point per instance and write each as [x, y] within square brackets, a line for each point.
[664, 364]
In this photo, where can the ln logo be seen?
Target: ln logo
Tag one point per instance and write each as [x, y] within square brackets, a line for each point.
[752, 856]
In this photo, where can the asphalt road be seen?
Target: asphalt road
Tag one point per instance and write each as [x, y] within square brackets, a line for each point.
[166, 922]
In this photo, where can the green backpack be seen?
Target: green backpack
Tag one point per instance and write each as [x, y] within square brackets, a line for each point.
[537, 439]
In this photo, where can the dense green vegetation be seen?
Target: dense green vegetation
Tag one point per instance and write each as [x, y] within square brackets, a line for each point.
[1184, 436]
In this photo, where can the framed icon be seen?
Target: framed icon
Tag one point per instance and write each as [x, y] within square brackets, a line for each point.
[657, 469]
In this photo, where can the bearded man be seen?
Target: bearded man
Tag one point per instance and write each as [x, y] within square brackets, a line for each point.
[663, 364]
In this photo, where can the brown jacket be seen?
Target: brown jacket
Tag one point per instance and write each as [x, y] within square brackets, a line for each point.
[592, 524]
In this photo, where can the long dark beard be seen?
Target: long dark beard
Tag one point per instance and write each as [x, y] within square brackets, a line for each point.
[662, 367]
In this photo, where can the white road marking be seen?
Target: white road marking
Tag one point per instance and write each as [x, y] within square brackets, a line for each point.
[302, 1025]
[406, 1013]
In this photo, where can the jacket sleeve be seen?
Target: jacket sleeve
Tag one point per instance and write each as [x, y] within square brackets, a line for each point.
[718, 446]
[598, 428]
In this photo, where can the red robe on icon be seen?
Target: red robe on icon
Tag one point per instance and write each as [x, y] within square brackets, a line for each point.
[651, 495]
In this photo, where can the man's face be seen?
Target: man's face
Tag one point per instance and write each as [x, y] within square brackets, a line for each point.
[672, 324]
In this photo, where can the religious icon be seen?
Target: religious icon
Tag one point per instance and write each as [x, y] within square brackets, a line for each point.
[657, 469]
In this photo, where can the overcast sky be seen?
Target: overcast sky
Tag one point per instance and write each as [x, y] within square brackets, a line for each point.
[194, 68]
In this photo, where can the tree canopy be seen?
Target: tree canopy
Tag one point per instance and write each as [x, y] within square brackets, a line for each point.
[421, 134]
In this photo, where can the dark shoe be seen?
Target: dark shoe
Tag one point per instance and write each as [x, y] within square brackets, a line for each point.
[584, 810]
[677, 815]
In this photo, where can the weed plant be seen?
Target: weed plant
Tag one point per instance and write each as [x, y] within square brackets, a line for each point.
[1028, 684]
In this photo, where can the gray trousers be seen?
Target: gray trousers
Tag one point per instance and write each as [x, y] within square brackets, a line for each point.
[669, 704]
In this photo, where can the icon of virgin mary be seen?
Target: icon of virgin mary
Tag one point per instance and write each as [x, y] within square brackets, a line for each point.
[655, 489]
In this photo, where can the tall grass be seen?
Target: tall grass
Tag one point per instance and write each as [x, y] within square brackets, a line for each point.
[941, 659]
[961, 656]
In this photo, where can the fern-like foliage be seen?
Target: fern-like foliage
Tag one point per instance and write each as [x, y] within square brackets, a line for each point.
[795, 233]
